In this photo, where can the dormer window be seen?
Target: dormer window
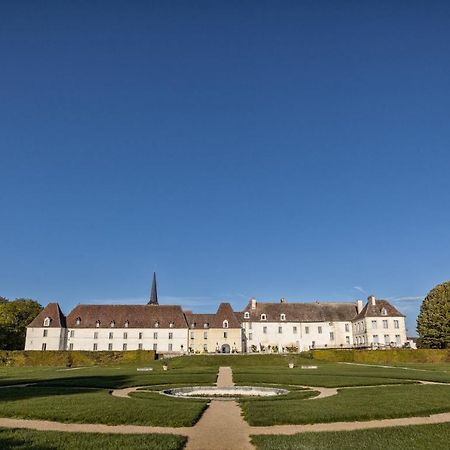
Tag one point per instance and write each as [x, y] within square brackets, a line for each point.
[384, 312]
[97, 324]
[171, 325]
[247, 315]
[78, 322]
[205, 325]
[112, 324]
[282, 316]
[263, 317]
[126, 324]
[193, 324]
[156, 324]
[47, 322]
[225, 323]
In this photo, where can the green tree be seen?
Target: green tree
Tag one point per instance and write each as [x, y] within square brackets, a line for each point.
[433, 323]
[14, 318]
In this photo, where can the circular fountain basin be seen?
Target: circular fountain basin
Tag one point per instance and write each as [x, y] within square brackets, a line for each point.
[223, 392]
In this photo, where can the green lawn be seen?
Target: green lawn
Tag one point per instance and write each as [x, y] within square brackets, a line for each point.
[358, 404]
[49, 440]
[419, 437]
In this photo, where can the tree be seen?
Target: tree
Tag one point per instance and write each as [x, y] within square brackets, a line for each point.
[433, 323]
[14, 318]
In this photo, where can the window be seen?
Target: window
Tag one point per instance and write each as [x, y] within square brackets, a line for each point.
[205, 335]
[386, 339]
[155, 335]
[78, 322]
[282, 316]
[250, 336]
[225, 324]
[250, 325]
[192, 335]
[331, 336]
[265, 330]
[263, 317]
[205, 325]
[45, 333]
[72, 333]
[44, 347]
[313, 344]
[319, 330]
[140, 346]
[110, 347]
[95, 347]
[375, 338]
[170, 335]
[171, 325]
[125, 335]
[193, 324]
[397, 339]
[225, 334]
[294, 330]
[156, 324]
[384, 312]
[47, 322]
[126, 324]
[111, 335]
[155, 347]
[347, 327]
[374, 324]
[205, 347]
[70, 346]
[347, 340]
[97, 324]
[95, 334]
[140, 335]
[385, 323]
[306, 330]
[124, 347]
[112, 324]
[170, 347]
[247, 315]
[280, 330]
[396, 324]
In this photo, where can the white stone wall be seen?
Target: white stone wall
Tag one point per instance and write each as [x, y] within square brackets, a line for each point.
[86, 338]
[387, 332]
[54, 339]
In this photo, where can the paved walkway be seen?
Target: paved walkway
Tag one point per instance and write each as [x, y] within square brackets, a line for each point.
[222, 426]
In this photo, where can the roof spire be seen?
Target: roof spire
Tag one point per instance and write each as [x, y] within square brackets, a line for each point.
[154, 293]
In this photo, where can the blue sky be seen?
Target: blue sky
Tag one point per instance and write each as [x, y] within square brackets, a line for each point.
[269, 149]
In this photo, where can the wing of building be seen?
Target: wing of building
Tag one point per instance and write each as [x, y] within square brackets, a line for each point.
[260, 327]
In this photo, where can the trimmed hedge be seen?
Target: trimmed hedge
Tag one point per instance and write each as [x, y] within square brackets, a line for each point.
[73, 358]
[382, 356]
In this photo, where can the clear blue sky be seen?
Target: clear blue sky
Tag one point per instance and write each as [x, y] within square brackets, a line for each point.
[270, 149]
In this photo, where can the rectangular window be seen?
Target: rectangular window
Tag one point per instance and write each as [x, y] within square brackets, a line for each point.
[45, 333]
[110, 347]
[386, 339]
[265, 330]
[72, 333]
[155, 335]
[250, 336]
[331, 336]
[280, 330]
[140, 346]
[70, 346]
[319, 330]
[170, 347]
[155, 347]
[375, 338]
[124, 347]
[205, 347]
[192, 335]
[170, 335]
[95, 347]
[374, 324]
[396, 324]
[205, 335]
[385, 324]
[225, 334]
[249, 325]
[140, 335]
[306, 330]
[397, 339]
[44, 347]
[347, 327]
[125, 335]
[347, 340]
[96, 335]
[313, 344]
[294, 330]
[111, 334]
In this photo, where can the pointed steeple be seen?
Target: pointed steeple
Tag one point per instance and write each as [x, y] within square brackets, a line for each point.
[154, 293]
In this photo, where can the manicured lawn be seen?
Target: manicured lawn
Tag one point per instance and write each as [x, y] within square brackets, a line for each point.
[419, 437]
[79, 405]
[48, 440]
[358, 404]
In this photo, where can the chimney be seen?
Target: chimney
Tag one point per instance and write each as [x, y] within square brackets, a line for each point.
[359, 305]
[372, 300]
[282, 300]
[253, 300]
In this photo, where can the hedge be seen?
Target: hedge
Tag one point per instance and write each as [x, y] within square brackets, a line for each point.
[73, 358]
[382, 356]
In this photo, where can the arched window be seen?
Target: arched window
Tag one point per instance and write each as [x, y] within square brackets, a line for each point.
[205, 325]
[282, 316]
[156, 324]
[47, 322]
[384, 312]
[78, 322]
[97, 324]
[171, 325]
[112, 324]
[126, 324]
[247, 315]
[263, 317]
[225, 323]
